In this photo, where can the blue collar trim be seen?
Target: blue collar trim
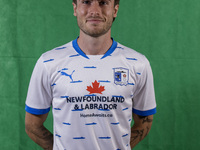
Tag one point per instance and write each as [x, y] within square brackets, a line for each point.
[77, 48]
[108, 53]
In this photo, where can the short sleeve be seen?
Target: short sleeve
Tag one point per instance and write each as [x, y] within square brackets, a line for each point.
[39, 96]
[144, 103]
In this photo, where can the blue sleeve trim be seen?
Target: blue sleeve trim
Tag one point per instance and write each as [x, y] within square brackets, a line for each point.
[144, 113]
[36, 111]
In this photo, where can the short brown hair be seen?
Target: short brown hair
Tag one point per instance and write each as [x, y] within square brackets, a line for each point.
[116, 1]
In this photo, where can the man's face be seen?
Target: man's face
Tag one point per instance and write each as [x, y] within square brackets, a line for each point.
[95, 17]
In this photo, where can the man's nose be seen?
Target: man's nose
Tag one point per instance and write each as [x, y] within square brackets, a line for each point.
[95, 9]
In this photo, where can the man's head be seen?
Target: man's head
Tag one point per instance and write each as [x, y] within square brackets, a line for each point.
[95, 17]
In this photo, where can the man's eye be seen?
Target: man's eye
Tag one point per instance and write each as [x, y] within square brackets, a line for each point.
[103, 2]
[86, 2]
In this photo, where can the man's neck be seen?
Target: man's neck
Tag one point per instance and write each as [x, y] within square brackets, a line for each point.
[94, 45]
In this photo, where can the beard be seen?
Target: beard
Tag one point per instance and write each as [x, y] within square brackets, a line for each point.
[95, 30]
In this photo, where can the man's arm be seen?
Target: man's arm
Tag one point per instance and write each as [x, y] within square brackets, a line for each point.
[140, 129]
[37, 132]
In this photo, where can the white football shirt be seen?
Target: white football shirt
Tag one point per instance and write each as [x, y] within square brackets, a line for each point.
[92, 96]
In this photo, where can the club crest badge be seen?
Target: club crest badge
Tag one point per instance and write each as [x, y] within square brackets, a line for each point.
[121, 76]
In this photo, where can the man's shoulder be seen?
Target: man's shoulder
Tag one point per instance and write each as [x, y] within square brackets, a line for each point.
[59, 51]
[132, 54]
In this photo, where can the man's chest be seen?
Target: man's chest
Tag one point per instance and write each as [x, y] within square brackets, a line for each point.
[93, 78]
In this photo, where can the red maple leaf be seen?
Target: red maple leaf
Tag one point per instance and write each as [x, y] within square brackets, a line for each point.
[95, 88]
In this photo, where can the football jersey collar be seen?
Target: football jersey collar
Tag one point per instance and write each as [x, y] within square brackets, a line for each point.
[80, 52]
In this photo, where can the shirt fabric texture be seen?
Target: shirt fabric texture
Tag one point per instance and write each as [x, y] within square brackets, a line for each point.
[92, 96]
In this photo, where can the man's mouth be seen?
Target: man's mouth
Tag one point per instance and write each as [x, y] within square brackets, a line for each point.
[95, 20]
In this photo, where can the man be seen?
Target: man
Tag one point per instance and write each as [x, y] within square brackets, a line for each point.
[94, 85]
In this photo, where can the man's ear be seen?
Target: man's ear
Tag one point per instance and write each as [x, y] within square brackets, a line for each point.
[74, 7]
[116, 10]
